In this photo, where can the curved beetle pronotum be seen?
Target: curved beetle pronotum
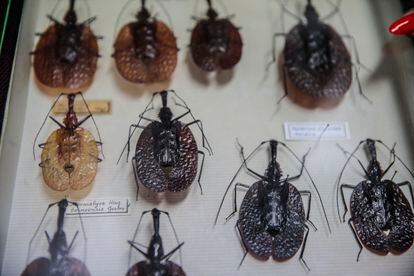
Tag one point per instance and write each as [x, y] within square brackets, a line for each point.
[166, 154]
[381, 216]
[272, 220]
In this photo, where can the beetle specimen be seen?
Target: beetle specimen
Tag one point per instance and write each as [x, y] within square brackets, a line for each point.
[166, 155]
[145, 50]
[60, 263]
[381, 216]
[70, 154]
[215, 42]
[157, 262]
[66, 55]
[272, 220]
[315, 58]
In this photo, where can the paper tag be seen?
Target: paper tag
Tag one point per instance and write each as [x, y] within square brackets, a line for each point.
[100, 207]
[308, 131]
[95, 106]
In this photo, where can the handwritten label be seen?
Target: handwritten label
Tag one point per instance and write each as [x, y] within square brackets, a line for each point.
[95, 107]
[100, 207]
[308, 131]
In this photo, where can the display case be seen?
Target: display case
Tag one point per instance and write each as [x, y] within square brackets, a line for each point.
[236, 106]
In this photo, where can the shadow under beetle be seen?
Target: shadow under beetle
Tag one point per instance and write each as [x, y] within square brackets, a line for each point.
[381, 216]
[315, 58]
[156, 263]
[66, 55]
[215, 42]
[60, 263]
[166, 154]
[272, 219]
[70, 155]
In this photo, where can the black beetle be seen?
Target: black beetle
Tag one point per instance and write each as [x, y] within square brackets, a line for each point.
[315, 57]
[272, 220]
[166, 155]
[59, 263]
[381, 216]
[157, 262]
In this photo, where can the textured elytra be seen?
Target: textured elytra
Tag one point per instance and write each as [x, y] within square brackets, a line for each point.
[401, 235]
[258, 241]
[145, 268]
[177, 178]
[62, 150]
[66, 267]
[52, 72]
[132, 68]
[201, 48]
[333, 83]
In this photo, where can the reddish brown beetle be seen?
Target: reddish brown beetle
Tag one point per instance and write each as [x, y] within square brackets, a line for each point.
[215, 42]
[70, 154]
[145, 50]
[66, 55]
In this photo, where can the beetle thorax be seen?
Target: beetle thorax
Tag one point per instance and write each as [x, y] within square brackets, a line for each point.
[274, 212]
[69, 39]
[155, 249]
[273, 173]
[374, 172]
[380, 205]
[144, 39]
[217, 37]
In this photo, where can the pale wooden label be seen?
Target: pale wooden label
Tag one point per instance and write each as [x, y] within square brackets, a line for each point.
[95, 106]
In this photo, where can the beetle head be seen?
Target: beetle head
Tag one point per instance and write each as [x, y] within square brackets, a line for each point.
[311, 14]
[71, 120]
[155, 248]
[70, 17]
[165, 114]
[273, 172]
[374, 168]
[58, 247]
[143, 14]
[211, 13]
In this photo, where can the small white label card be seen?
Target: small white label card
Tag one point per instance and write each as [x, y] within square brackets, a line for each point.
[100, 207]
[308, 131]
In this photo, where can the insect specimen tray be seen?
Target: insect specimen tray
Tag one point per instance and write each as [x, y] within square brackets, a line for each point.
[242, 104]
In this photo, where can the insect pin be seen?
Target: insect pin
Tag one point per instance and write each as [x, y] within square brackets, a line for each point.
[381, 216]
[166, 154]
[156, 263]
[272, 220]
[65, 57]
[70, 155]
[59, 263]
[146, 49]
[215, 42]
[315, 58]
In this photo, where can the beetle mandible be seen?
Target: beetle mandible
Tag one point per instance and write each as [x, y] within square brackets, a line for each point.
[381, 216]
[272, 219]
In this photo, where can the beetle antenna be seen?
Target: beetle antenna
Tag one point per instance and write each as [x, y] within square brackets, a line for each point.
[340, 176]
[72, 5]
[165, 10]
[192, 116]
[38, 228]
[43, 123]
[399, 159]
[131, 243]
[312, 181]
[234, 177]
[135, 234]
[93, 120]
[123, 9]
[175, 234]
[135, 128]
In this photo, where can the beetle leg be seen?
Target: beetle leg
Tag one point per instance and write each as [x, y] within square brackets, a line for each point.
[282, 4]
[356, 237]
[98, 143]
[250, 170]
[57, 122]
[274, 46]
[205, 141]
[301, 169]
[182, 115]
[333, 12]
[309, 195]
[242, 242]
[89, 21]
[129, 137]
[343, 198]
[73, 240]
[305, 239]
[238, 184]
[98, 160]
[48, 237]
[201, 169]
[54, 20]
[406, 183]
[135, 175]
[42, 145]
[42, 164]
[392, 162]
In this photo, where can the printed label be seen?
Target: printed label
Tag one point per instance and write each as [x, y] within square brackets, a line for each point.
[100, 207]
[308, 131]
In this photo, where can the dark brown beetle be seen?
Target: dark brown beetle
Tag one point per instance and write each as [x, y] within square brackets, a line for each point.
[66, 55]
[156, 263]
[215, 42]
[60, 263]
[382, 218]
[145, 50]
[166, 155]
[315, 58]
